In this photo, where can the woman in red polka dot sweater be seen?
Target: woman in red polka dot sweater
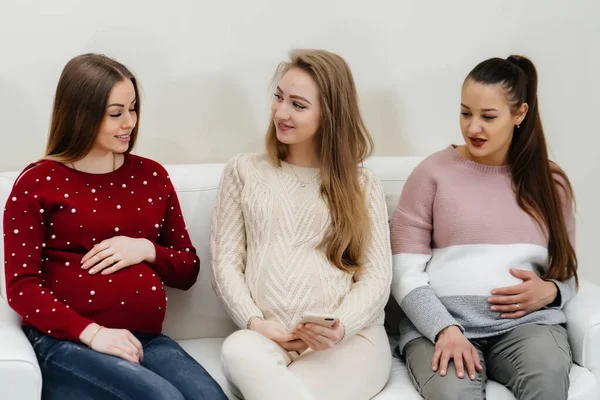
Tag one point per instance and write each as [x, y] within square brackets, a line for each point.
[92, 235]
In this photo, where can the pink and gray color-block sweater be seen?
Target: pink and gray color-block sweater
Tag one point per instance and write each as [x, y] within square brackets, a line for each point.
[455, 235]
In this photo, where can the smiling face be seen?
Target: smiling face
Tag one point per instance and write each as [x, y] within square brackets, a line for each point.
[296, 109]
[487, 122]
[119, 120]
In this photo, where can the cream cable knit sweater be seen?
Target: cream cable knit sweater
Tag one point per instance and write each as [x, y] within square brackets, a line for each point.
[266, 228]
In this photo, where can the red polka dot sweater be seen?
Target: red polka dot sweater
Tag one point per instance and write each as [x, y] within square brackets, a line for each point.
[55, 215]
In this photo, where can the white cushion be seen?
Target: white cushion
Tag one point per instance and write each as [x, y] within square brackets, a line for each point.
[197, 313]
[20, 376]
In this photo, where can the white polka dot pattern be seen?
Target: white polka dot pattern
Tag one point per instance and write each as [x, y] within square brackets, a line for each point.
[55, 215]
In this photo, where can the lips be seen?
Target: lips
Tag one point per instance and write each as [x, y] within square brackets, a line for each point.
[477, 142]
[124, 138]
[283, 127]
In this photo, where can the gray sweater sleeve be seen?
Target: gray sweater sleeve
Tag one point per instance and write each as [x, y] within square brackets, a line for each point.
[427, 313]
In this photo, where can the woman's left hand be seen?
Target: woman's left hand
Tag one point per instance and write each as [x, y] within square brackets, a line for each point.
[319, 337]
[524, 298]
[116, 253]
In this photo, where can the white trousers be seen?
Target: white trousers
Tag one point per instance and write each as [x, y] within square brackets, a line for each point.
[259, 369]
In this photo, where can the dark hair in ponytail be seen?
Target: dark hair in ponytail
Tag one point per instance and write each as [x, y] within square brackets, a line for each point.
[534, 177]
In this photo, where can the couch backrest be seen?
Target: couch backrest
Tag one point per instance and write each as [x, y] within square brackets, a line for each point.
[198, 312]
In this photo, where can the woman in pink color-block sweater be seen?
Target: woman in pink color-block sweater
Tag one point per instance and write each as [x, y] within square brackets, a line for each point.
[483, 244]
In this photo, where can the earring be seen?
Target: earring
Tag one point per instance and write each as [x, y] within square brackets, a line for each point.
[518, 126]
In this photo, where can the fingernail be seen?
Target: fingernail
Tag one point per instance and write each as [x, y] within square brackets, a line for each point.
[502, 316]
[493, 292]
[493, 308]
[92, 271]
[460, 374]
[443, 372]
[473, 377]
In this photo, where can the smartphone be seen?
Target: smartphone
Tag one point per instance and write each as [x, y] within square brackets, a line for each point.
[326, 320]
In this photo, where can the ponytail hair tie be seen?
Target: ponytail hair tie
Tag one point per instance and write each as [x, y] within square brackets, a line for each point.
[513, 60]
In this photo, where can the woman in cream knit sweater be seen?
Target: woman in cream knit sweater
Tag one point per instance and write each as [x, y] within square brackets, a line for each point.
[304, 229]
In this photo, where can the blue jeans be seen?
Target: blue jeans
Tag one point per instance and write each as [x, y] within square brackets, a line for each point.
[73, 371]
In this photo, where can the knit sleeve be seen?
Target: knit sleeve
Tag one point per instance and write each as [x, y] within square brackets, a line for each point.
[176, 261]
[411, 236]
[228, 248]
[371, 287]
[25, 231]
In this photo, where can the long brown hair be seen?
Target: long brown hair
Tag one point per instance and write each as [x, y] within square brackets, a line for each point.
[80, 104]
[535, 178]
[344, 143]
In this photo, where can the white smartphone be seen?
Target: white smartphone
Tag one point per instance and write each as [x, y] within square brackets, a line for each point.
[326, 320]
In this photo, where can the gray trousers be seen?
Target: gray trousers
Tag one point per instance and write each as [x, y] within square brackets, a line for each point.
[533, 361]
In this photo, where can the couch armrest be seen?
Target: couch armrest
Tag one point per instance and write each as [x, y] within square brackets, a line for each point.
[20, 376]
[583, 325]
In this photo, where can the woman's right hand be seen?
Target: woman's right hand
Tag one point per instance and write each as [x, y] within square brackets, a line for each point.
[115, 342]
[272, 329]
[452, 344]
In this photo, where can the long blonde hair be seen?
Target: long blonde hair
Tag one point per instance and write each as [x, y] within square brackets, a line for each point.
[344, 143]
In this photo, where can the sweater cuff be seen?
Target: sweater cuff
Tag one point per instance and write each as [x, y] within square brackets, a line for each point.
[564, 294]
[76, 327]
[162, 257]
[351, 328]
[242, 314]
[427, 313]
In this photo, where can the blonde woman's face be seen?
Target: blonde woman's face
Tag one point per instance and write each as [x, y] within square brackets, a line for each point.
[296, 110]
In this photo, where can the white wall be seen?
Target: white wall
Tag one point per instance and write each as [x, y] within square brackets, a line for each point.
[205, 68]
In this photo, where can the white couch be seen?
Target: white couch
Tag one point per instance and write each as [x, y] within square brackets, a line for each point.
[197, 319]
